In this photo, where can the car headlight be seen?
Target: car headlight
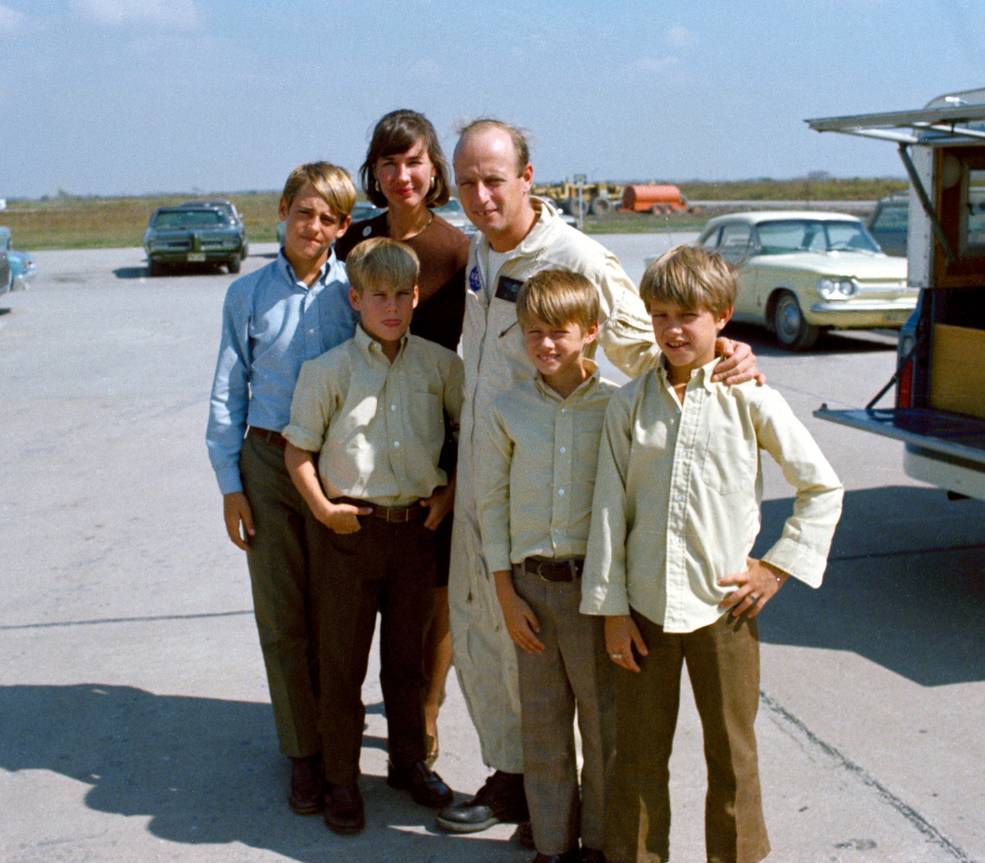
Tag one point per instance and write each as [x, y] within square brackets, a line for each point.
[837, 289]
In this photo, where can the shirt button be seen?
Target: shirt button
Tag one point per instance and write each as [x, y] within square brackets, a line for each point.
[311, 332]
[396, 444]
[560, 492]
[680, 498]
[564, 450]
[393, 407]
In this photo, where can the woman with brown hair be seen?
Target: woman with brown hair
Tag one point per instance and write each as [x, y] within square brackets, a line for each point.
[406, 172]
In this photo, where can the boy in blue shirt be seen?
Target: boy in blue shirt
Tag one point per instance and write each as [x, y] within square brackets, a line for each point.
[274, 319]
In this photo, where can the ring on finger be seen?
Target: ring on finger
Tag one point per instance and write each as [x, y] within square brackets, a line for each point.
[615, 656]
[753, 598]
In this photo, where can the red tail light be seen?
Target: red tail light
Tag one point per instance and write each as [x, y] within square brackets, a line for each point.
[904, 385]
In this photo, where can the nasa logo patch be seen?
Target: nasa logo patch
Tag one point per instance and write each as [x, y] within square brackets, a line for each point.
[367, 230]
[475, 284]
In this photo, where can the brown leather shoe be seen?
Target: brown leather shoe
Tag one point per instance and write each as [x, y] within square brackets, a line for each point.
[344, 812]
[306, 785]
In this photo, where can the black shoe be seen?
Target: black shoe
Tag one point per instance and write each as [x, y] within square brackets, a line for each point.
[344, 808]
[500, 799]
[591, 855]
[425, 786]
[306, 797]
[567, 857]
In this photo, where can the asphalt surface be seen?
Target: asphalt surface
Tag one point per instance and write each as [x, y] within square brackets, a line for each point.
[134, 717]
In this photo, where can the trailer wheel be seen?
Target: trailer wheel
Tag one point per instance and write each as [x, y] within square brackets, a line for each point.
[601, 206]
[792, 330]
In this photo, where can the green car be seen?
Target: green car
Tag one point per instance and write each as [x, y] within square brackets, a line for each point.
[199, 234]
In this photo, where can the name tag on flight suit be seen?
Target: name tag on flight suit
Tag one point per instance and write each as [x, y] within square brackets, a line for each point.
[508, 289]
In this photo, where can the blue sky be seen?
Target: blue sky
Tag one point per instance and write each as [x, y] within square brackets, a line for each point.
[130, 96]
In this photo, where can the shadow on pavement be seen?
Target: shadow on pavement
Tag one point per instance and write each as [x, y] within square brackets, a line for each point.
[905, 585]
[204, 770]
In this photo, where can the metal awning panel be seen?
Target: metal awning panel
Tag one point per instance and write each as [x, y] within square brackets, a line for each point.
[949, 117]
[951, 434]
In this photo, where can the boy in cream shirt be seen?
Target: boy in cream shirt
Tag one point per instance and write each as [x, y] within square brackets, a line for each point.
[675, 515]
[535, 479]
[373, 412]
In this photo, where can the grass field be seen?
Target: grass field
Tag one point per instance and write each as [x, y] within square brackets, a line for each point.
[70, 222]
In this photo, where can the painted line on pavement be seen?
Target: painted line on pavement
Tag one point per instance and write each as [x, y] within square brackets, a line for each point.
[887, 796]
[103, 620]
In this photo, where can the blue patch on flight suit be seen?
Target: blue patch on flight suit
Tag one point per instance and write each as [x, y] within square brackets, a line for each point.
[475, 283]
[508, 289]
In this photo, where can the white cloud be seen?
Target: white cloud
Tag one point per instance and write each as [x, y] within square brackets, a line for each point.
[174, 14]
[680, 37]
[10, 19]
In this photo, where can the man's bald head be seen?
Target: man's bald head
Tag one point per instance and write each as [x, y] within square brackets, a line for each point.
[518, 136]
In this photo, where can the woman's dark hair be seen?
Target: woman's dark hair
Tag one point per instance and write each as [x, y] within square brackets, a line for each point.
[397, 132]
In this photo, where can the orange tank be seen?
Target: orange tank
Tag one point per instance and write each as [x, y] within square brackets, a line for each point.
[652, 198]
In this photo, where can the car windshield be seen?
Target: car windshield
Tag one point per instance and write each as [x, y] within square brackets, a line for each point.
[783, 237]
[451, 207]
[188, 219]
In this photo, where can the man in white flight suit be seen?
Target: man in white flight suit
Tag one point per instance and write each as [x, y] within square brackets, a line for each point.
[519, 235]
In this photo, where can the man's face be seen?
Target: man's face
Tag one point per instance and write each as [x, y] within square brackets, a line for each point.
[494, 197]
[312, 226]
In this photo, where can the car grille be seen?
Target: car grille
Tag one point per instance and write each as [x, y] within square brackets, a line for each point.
[884, 290]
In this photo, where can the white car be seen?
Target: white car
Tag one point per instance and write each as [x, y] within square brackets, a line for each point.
[803, 272]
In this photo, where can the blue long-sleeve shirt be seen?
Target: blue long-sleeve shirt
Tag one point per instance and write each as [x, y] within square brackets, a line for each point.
[271, 324]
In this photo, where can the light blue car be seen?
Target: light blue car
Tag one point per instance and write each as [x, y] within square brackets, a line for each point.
[22, 266]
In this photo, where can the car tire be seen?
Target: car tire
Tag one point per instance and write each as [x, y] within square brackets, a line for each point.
[788, 322]
[155, 268]
[233, 265]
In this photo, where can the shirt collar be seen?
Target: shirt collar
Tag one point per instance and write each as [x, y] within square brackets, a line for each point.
[702, 374]
[372, 348]
[324, 274]
[580, 391]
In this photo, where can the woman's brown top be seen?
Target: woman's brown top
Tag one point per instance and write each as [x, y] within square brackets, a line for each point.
[443, 251]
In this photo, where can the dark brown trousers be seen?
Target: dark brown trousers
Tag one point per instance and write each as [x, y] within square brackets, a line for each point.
[723, 665]
[387, 569]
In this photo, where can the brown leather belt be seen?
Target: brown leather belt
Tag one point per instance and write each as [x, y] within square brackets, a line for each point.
[554, 570]
[390, 514]
[276, 438]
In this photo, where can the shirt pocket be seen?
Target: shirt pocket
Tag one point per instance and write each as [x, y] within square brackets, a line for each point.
[427, 418]
[729, 463]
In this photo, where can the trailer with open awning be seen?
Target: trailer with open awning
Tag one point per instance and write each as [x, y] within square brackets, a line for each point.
[939, 411]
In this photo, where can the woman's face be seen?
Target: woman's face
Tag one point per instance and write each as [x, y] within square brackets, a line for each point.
[405, 178]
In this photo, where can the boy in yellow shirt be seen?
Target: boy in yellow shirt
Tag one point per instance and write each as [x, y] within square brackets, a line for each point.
[675, 515]
[535, 480]
[372, 411]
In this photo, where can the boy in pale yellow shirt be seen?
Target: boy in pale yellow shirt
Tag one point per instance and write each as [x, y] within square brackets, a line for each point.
[675, 516]
[535, 479]
[373, 411]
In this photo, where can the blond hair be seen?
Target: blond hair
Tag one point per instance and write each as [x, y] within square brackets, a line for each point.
[558, 297]
[330, 181]
[382, 262]
[691, 278]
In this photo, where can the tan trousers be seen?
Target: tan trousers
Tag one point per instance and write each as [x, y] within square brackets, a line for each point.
[572, 671]
[484, 655]
[287, 538]
[723, 664]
